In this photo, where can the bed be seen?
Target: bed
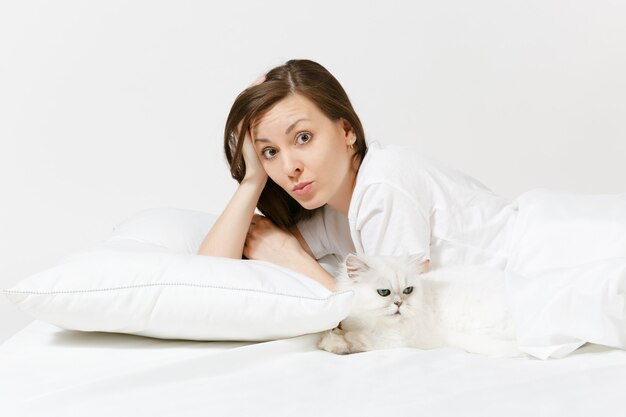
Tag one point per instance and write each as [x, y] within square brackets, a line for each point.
[140, 325]
[48, 371]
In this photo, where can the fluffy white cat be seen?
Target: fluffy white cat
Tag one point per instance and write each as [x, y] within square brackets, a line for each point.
[397, 304]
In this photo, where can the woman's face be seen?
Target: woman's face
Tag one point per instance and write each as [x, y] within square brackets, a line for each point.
[306, 153]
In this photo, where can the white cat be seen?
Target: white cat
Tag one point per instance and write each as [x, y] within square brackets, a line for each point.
[397, 304]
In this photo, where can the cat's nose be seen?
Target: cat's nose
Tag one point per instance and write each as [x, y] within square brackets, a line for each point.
[398, 303]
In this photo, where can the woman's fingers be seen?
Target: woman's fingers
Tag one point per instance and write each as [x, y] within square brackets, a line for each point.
[254, 168]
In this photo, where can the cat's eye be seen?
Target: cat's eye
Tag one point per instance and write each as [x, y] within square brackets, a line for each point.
[407, 290]
[383, 292]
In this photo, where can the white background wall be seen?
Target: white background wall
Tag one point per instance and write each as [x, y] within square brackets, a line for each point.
[108, 108]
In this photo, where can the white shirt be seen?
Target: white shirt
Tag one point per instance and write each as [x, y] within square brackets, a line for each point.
[404, 203]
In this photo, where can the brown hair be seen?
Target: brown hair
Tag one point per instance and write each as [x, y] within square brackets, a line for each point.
[296, 76]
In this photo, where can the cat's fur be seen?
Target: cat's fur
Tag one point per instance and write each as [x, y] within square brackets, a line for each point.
[459, 306]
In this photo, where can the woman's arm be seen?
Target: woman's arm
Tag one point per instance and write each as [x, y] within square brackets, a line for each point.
[228, 235]
[268, 242]
[308, 266]
[296, 233]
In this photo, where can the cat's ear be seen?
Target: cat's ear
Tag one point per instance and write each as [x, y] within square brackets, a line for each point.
[355, 265]
[420, 263]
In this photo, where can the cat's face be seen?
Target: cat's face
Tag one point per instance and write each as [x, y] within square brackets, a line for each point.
[384, 286]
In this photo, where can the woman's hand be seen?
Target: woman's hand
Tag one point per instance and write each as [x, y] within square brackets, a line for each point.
[254, 169]
[267, 242]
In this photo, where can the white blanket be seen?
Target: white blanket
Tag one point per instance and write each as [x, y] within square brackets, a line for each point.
[566, 277]
[49, 372]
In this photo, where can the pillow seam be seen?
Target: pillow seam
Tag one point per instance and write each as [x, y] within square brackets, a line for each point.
[8, 291]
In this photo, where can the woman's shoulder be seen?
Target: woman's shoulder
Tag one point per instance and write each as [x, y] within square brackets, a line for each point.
[389, 172]
[392, 170]
[405, 164]
[378, 151]
[395, 165]
[400, 158]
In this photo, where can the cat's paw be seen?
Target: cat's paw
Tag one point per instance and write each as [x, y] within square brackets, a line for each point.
[334, 341]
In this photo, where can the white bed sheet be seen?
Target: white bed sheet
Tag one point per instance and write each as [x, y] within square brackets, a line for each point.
[47, 371]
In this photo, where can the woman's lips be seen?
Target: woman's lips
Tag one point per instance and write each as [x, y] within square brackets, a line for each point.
[304, 190]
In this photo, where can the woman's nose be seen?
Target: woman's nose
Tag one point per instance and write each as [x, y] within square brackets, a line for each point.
[291, 164]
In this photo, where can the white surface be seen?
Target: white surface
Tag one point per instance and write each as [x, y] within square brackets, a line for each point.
[147, 279]
[49, 372]
[112, 107]
[12, 319]
[566, 276]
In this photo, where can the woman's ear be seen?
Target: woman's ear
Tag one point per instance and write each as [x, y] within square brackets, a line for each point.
[348, 132]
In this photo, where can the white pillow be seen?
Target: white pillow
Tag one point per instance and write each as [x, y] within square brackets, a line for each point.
[146, 279]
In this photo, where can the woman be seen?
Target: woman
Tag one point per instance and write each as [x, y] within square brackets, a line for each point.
[305, 164]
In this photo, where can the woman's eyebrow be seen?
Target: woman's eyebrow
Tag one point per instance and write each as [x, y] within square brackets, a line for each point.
[289, 129]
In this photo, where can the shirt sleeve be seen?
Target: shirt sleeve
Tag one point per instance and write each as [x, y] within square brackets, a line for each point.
[391, 222]
[313, 231]
[327, 233]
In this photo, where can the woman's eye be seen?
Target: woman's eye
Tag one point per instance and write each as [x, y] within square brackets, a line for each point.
[268, 153]
[304, 137]
[384, 293]
[408, 290]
